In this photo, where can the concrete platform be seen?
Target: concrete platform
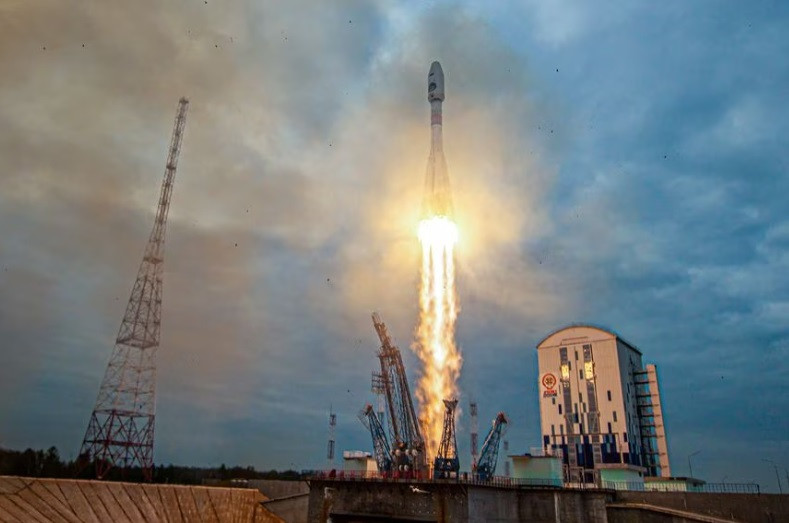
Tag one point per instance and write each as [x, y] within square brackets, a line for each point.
[75, 501]
[347, 500]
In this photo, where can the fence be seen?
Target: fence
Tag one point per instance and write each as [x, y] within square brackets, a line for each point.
[463, 478]
[681, 486]
[507, 482]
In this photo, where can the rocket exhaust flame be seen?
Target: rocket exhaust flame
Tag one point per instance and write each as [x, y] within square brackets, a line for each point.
[436, 332]
[438, 305]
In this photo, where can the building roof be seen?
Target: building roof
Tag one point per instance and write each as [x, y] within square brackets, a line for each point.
[590, 326]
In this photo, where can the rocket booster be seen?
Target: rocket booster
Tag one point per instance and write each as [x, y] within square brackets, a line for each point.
[437, 198]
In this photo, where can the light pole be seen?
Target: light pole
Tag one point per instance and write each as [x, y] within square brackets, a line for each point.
[690, 467]
[777, 476]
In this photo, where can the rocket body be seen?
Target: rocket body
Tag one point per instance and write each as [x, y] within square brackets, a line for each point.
[437, 198]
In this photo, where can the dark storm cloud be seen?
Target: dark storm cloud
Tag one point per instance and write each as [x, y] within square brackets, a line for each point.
[620, 165]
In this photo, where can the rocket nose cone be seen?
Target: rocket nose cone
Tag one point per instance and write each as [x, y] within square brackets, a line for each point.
[435, 82]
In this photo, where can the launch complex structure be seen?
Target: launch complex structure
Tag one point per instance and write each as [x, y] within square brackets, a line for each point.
[416, 440]
[405, 456]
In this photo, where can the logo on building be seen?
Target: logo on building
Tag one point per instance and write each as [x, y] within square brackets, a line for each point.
[549, 382]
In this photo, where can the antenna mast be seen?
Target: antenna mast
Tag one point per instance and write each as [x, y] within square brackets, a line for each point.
[121, 427]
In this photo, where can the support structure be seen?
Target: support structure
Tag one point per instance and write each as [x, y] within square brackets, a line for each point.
[474, 434]
[378, 388]
[407, 441]
[506, 447]
[332, 437]
[120, 432]
[650, 415]
[489, 456]
[381, 449]
[447, 464]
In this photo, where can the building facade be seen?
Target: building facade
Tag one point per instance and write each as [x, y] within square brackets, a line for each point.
[599, 405]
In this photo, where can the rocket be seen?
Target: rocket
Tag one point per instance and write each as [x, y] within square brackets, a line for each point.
[437, 198]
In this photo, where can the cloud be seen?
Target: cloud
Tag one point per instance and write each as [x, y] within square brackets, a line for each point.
[618, 165]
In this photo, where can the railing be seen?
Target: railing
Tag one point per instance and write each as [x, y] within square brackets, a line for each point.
[679, 486]
[463, 478]
[524, 483]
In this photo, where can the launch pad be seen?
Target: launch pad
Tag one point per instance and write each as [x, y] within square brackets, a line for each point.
[366, 500]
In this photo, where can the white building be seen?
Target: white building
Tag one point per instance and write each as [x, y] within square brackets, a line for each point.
[600, 408]
[358, 461]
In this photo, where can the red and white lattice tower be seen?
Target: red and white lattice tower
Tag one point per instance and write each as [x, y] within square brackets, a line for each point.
[120, 431]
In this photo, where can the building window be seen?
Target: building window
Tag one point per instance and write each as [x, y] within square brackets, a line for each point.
[553, 430]
[614, 415]
[560, 408]
[576, 354]
[584, 406]
[582, 428]
[580, 374]
[561, 431]
[609, 428]
[575, 408]
[569, 365]
[580, 398]
[553, 400]
[624, 435]
[609, 395]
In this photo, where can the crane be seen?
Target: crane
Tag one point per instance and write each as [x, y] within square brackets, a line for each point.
[446, 464]
[382, 451]
[489, 456]
[407, 441]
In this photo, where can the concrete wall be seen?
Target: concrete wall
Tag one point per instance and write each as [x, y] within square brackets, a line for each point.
[277, 488]
[451, 502]
[346, 500]
[70, 500]
[342, 499]
[292, 509]
[753, 508]
[287, 499]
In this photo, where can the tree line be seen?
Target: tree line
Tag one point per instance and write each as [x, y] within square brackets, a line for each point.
[48, 464]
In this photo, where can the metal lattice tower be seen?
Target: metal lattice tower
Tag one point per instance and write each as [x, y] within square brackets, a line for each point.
[121, 427]
[332, 437]
[446, 463]
[474, 435]
[506, 447]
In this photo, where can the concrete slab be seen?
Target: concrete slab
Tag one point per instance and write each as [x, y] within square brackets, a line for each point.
[171, 506]
[79, 503]
[76, 501]
[48, 511]
[152, 494]
[187, 503]
[135, 492]
[204, 506]
[99, 491]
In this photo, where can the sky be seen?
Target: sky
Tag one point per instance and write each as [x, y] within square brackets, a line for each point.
[622, 164]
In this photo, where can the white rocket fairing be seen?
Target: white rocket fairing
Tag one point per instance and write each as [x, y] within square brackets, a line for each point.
[437, 199]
